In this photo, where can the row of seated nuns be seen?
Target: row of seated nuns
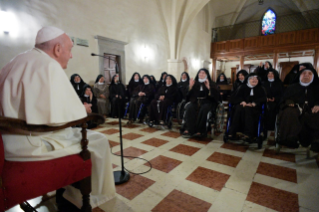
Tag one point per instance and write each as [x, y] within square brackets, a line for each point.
[294, 105]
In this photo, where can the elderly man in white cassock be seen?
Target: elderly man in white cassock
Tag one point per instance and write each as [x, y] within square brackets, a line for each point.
[35, 88]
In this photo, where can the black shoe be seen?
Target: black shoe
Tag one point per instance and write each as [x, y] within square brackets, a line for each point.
[186, 135]
[150, 124]
[315, 146]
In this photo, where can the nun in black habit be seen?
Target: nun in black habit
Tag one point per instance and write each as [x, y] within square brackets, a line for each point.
[117, 97]
[87, 97]
[165, 96]
[202, 97]
[240, 78]
[144, 93]
[183, 85]
[293, 76]
[222, 80]
[262, 70]
[77, 84]
[161, 81]
[298, 119]
[153, 81]
[274, 90]
[135, 81]
[247, 106]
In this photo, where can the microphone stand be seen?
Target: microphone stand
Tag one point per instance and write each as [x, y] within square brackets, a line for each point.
[119, 176]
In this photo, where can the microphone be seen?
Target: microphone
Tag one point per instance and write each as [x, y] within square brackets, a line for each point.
[92, 54]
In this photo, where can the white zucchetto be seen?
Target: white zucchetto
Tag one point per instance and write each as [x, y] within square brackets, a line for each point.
[48, 33]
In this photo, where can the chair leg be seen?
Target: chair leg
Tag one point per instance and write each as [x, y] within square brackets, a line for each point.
[26, 207]
[85, 188]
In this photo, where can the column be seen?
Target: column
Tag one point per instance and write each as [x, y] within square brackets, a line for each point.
[275, 59]
[214, 69]
[175, 68]
[242, 61]
[316, 59]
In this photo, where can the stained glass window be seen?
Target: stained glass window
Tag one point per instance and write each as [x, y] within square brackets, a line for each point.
[268, 23]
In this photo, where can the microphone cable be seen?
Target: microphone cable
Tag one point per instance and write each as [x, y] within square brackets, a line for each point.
[127, 156]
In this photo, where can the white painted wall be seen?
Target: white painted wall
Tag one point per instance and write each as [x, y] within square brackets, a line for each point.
[137, 22]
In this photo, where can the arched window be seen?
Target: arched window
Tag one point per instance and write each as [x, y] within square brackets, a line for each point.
[268, 23]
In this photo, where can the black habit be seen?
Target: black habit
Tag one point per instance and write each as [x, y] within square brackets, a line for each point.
[158, 108]
[245, 119]
[200, 101]
[117, 98]
[298, 122]
[137, 100]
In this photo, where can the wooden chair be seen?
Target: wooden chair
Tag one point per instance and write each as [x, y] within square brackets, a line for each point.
[21, 181]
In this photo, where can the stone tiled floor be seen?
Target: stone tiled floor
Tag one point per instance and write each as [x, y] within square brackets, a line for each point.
[205, 175]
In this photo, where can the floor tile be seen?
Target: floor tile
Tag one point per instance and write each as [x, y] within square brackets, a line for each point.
[172, 134]
[132, 151]
[273, 198]
[236, 147]
[155, 142]
[135, 186]
[225, 159]
[228, 200]
[149, 130]
[179, 202]
[280, 172]
[164, 164]
[200, 140]
[209, 178]
[131, 136]
[113, 123]
[110, 131]
[281, 155]
[113, 143]
[184, 149]
[131, 126]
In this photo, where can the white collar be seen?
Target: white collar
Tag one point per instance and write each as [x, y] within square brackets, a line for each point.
[169, 85]
[202, 80]
[271, 80]
[184, 80]
[306, 84]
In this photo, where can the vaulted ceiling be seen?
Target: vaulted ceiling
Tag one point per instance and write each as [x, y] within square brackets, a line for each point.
[229, 12]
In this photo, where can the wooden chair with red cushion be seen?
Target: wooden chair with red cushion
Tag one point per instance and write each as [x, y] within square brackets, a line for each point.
[21, 181]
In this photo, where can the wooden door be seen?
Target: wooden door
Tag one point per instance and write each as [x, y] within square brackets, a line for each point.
[285, 68]
[233, 74]
[111, 67]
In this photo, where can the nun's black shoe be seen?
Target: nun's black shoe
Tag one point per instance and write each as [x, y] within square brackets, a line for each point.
[291, 142]
[186, 135]
[232, 137]
[150, 124]
[315, 146]
[248, 139]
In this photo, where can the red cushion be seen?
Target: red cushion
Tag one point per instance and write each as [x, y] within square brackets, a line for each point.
[27, 180]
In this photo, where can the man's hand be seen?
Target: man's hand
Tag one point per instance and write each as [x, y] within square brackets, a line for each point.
[291, 105]
[102, 96]
[140, 94]
[162, 97]
[88, 107]
[253, 104]
[117, 96]
[191, 83]
[243, 103]
[315, 109]
[249, 105]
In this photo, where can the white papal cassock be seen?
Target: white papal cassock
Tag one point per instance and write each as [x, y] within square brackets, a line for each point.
[35, 88]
